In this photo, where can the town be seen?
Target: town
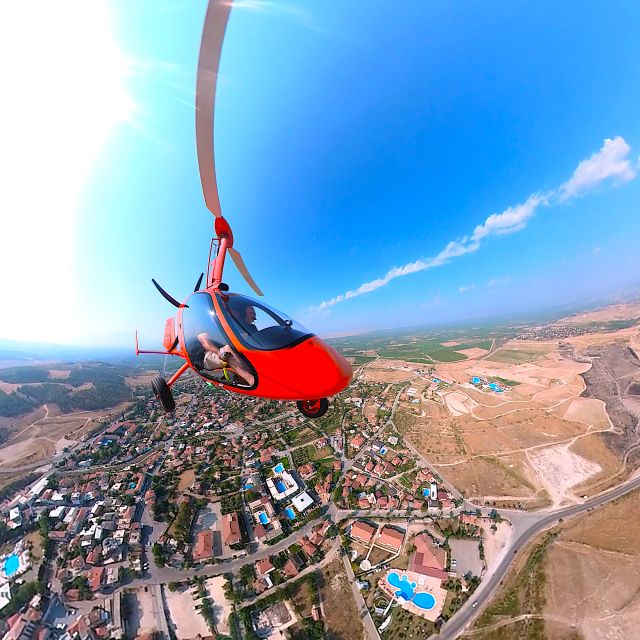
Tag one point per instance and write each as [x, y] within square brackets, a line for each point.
[236, 517]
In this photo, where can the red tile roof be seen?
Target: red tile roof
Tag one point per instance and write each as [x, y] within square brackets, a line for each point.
[391, 538]
[204, 546]
[362, 531]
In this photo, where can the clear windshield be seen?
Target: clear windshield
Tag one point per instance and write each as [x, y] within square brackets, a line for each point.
[208, 347]
[260, 326]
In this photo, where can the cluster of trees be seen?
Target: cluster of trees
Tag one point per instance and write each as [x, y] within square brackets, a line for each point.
[14, 404]
[82, 584]
[108, 388]
[184, 519]
[20, 597]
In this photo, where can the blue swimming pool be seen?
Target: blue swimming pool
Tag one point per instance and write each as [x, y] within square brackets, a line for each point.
[280, 486]
[132, 485]
[476, 380]
[11, 565]
[290, 513]
[279, 468]
[496, 387]
[426, 493]
[383, 450]
[406, 590]
[424, 600]
[263, 518]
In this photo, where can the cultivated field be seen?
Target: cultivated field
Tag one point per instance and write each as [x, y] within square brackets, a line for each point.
[562, 427]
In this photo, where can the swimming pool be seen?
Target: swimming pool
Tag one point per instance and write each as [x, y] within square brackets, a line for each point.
[279, 468]
[496, 387]
[11, 565]
[280, 486]
[290, 513]
[263, 518]
[383, 450]
[132, 485]
[475, 380]
[426, 492]
[424, 600]
[406, 590]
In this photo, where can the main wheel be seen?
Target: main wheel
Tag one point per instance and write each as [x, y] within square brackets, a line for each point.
[313, 408]
[163, 394]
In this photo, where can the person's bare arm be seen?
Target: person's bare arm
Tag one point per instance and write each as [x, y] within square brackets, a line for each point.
[203, 338]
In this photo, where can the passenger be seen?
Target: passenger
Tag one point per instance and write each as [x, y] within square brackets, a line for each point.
[217, 358]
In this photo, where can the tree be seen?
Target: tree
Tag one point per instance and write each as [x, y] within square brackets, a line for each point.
[43, 525]
[172, 586]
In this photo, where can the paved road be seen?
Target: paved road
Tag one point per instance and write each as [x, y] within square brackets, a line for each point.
[537, 523]
[365, 616]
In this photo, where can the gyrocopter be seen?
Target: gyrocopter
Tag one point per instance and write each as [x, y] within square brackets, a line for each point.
[229, 339]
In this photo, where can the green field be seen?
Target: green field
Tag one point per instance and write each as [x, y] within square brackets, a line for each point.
[515, 356]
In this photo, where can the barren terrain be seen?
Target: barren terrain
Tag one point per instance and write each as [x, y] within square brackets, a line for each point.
[584, 584]
[342, 620]
[566, 424]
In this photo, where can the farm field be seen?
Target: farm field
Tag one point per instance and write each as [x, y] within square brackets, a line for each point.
[543, 438]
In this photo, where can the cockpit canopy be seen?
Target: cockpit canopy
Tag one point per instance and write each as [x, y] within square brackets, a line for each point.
[259, 326]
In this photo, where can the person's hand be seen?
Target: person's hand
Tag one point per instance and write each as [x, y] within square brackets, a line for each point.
[224, 353]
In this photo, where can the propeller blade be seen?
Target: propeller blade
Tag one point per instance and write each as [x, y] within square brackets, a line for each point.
[242, 268]
[166, 296]
[215, 24]
[175, 343]
[199, 283]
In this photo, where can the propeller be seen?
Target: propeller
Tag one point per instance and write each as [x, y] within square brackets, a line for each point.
[199, 283]
[167, 296]
[239, 262]
[215, 24]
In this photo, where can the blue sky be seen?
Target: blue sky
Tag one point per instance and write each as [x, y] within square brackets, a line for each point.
[350, 140]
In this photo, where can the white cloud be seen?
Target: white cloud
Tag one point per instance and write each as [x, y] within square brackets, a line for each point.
[466, 288]
[611, 162]
[510, 220]
[597, 251]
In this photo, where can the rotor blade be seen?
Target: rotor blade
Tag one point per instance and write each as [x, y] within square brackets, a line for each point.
[166, 296]
[215, 24]
[239, 262]
[199, 283]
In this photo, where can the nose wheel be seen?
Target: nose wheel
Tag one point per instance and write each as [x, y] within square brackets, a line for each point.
[313, 408]
[163, 393]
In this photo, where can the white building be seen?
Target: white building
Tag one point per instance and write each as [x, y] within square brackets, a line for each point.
[302, 502]
[282, 485]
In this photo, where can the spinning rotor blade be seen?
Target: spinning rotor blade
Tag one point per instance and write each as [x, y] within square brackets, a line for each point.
[199, 283]
[239, 262]
[165, 295]
[215, 24]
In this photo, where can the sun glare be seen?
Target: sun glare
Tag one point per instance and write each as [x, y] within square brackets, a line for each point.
[64, 76]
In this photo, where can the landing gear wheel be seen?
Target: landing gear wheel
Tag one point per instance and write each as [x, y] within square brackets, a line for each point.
[163, 394]
[313, 408]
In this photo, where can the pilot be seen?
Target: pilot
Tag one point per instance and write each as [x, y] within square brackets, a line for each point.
[245, 315]
[216, 358]
[249, 317]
